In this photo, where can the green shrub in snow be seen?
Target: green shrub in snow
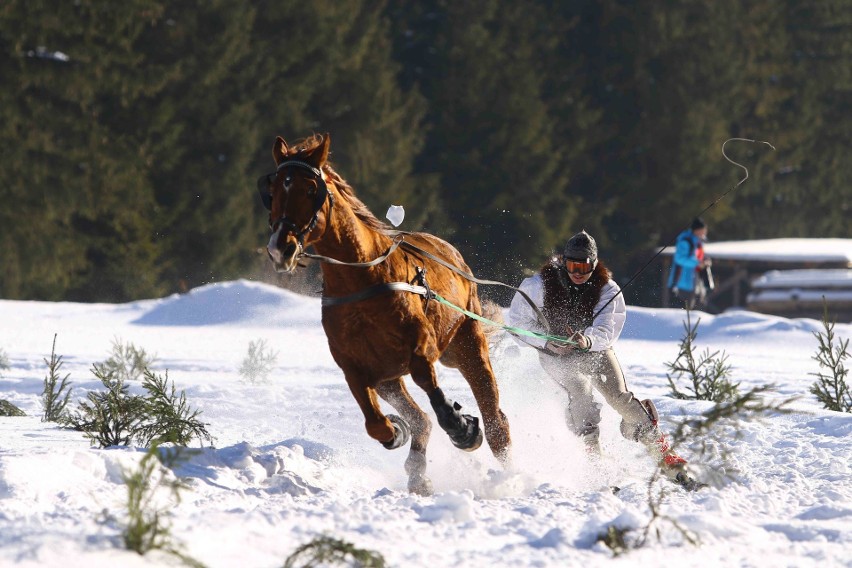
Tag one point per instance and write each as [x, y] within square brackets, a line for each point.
[9, 409]
[57, 390]
[146, 527]
[258, 363]
[4, 361]
[705, 376]
[328, 551]
[831, 388]
[127, 362]
[115, 417]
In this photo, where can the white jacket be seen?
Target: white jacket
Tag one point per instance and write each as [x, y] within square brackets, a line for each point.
[603, 332]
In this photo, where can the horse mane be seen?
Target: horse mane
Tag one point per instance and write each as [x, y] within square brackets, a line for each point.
[344, 188]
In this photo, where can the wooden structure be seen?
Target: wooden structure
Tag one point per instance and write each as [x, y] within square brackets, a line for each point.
[737, 264]
[803, 293]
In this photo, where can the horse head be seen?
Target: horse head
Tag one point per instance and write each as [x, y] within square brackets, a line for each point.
[297, 198]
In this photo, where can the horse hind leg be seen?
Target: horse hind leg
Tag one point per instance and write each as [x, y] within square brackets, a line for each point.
[395, 393]
[463, 429]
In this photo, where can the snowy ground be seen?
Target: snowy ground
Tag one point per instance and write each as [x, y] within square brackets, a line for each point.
[292, 460]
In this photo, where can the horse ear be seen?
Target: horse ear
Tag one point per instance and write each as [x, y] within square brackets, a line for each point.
[319, 155]
[279, 150]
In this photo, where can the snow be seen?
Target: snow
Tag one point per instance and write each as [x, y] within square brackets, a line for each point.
[779, 250]
[777, 290]
[292, 460]
[815, 278]
[42, 52]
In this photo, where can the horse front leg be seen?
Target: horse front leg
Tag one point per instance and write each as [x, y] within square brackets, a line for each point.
[463, 429]
[392, 431]
[395, 393]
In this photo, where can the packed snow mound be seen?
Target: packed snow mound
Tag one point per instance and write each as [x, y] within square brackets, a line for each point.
[287, 467]
[668, 324]
[237, 302]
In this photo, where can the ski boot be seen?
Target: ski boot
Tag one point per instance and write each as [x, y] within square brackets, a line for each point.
[592, 444]
[672, 466]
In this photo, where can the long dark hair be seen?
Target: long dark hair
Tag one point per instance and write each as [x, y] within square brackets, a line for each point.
[567, 305]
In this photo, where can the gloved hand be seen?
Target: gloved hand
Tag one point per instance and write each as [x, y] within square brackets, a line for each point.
[558, 348]
[582, 342]
[577, 341]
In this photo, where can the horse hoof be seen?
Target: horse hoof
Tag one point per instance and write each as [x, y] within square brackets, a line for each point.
[401, 432]
[470, 438]
[420, 485]
[476, 442]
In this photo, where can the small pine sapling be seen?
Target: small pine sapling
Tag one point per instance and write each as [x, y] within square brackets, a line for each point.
[4, 361]
[706, 376]
[127, 362]
[831, 388]
[147, 527]
[6, 407]
[168, 418]
[115, 417]
[259, 362]
[111, 417]
[328, 551]
[57, 390]
[9, 409]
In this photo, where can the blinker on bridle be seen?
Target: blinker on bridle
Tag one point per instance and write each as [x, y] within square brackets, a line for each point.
[264, 188]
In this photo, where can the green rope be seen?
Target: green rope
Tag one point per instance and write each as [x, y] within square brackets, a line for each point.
[516, 330]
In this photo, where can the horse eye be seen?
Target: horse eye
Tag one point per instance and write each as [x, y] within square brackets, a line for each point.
[287, 182]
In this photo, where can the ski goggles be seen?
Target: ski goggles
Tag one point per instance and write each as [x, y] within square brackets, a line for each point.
[579, 267]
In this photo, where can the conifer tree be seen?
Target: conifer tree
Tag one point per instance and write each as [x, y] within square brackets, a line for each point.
[492, 140]
[343, 81]
[78, 221]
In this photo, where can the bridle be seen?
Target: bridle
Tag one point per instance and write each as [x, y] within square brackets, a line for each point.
[322, 194]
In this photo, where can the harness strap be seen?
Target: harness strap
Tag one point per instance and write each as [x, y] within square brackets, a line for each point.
[473, 278]
[421, 279]
[385, 287]
[375, 290]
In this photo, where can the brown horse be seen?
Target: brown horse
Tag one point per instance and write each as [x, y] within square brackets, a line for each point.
[379, 322]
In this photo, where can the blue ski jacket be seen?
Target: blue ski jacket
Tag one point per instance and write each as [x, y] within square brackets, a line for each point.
[687, 256]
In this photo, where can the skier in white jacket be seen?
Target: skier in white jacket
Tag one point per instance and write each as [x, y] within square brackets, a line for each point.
[579, 299]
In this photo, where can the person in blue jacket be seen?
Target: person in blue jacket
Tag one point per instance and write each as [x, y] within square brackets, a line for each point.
[688, 264]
